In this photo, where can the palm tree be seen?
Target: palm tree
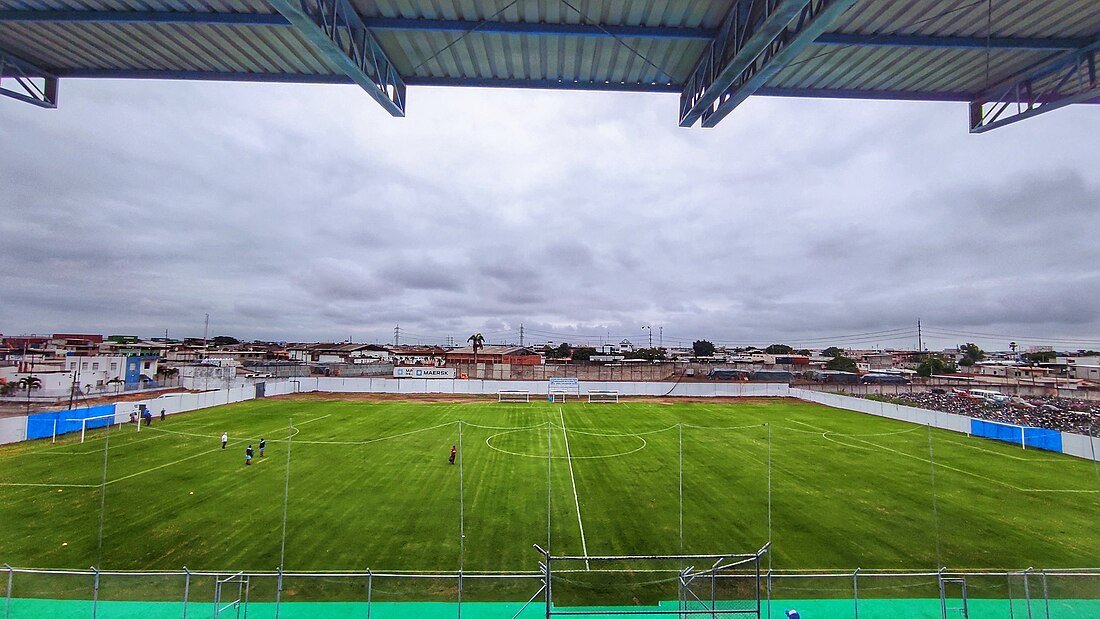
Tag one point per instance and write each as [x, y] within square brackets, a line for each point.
[30, 383]
[117, 382]
[478, 341]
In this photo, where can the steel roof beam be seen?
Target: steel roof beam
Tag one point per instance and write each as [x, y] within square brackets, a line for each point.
[1044, 87]
[749, 30]
[950, 42]
[540, 28]
[757, 39]
[26, 76]
[305, 78]
[206, 18]
[338, 33]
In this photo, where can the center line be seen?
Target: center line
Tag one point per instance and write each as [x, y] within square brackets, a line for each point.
[576, 499]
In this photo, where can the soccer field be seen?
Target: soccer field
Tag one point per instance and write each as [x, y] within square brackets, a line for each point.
[370, 485]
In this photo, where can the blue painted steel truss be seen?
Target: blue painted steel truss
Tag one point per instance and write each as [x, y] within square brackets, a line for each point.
[1063, 80]
[337, 31]
[757, 39]
[26, 82]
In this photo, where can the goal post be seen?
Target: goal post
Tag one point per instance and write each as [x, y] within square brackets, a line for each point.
[513, 395]
[89, 422]
[603, 396]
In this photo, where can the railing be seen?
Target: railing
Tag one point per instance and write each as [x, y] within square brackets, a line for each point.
[1027, 593]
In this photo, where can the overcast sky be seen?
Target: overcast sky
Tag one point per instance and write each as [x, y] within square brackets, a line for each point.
[307, 213]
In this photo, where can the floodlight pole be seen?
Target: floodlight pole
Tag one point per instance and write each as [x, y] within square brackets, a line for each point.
[680, 466]
[103, 498]
[549, 461]
[461, 522]
[286, 504]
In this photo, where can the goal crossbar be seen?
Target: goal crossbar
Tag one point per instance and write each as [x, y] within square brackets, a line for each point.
[84, 423]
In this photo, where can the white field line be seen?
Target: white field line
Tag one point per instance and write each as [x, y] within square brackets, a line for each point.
[951, 468]
[576, 499]
[149, 470]
[56, 451]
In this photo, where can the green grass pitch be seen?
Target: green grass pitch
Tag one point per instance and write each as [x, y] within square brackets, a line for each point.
[370, 486]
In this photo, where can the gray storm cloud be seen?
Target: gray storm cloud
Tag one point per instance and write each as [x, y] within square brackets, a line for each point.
[303, 212]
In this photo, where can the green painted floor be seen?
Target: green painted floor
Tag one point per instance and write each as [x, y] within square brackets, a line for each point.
[809, 609]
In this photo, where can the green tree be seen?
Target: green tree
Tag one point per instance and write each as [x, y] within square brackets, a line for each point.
[117, 382]
[649, 354]
[702, 348]
[971, 354]
[477, 341]
[935, 364]
[224, 340]
[1040, 357]
[832, 351]
[779, 349]
[583, 353]
[7, 388]
[561, 352]
[840, 363]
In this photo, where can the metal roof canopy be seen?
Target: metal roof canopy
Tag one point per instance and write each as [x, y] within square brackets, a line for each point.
[1009, 59]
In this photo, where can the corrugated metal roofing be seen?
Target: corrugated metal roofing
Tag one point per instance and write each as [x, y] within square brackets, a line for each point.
[94, 47]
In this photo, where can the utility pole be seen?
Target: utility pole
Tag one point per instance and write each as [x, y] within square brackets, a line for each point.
[521, 335]
[920, 344]
[396, 335]
[205, 334]
[661, 331]
[650, 335]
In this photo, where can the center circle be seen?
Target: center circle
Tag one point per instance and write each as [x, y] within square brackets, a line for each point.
[593, 446]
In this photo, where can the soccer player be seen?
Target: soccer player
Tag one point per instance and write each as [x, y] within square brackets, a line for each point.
[248, 455]
[792, 614]
[263, 444]
[225, 439]
[162, 414]
[454, 452]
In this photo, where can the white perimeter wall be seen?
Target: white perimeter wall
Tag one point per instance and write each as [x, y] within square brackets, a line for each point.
[14, 429]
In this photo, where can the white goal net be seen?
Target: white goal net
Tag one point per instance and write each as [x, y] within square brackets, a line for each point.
[603, 396]
[513, 395]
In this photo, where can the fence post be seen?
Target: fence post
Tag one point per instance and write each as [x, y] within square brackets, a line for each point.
[370, 588]
[186, 589]
[459, 594]
[1027, 591]
[278, 592]
[855, 591]
[95, 593]
[1046, 594]
[7, 603]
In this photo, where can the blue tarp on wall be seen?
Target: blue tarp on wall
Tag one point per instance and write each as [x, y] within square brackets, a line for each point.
[41, 425]
[1039, 438]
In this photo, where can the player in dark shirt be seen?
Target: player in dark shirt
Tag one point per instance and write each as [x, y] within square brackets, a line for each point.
[454, 451]
[263, 444]
[248, 455]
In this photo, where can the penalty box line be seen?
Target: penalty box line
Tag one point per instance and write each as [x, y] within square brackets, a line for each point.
[949, 467]
[573, 480]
